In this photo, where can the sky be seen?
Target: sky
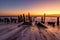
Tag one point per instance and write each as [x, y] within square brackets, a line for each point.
[35, 7]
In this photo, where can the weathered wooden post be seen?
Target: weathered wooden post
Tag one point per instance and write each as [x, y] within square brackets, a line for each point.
[42, 20]
[57, 21]
[44, 17]
[30, 19]
[24, 18]
[19, 18]
[0, 20]
[11, 19]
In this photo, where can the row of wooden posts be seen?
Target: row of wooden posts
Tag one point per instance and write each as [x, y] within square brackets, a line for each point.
[21, 18]
[24, 18]
[53, 23]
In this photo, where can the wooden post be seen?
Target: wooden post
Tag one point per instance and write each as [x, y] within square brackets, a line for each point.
[30, 19]
[19, 18]
[57, 21]
[42, 20]
[0, 20]
[24, 18]
[44, 17]
[11, 19]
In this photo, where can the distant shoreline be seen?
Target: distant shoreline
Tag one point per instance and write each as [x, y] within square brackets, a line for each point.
[31, 16]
